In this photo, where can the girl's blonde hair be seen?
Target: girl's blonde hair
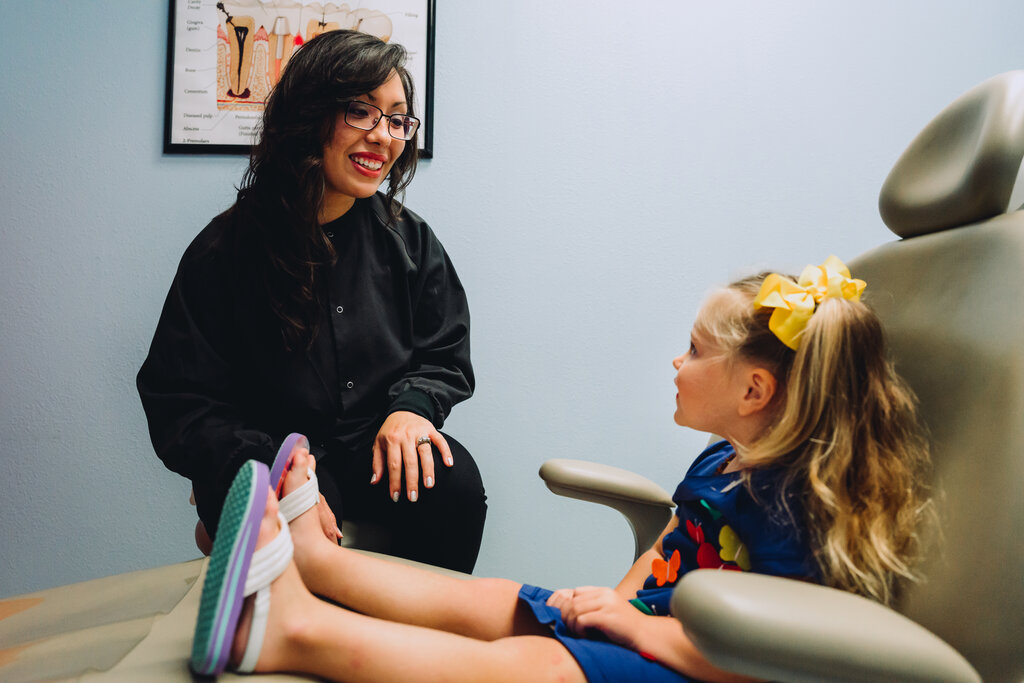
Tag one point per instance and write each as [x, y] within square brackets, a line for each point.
[846, 432]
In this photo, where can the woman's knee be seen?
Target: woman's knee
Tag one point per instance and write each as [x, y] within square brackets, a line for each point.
[462, 480]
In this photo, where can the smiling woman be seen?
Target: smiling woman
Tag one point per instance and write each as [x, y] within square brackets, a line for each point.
[318, 304]
[361, 152]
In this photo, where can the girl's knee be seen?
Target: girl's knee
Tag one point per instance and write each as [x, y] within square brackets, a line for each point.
[541, 658]
[497, 587]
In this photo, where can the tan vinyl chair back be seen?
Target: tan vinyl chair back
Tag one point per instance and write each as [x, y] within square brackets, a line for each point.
[951, 296]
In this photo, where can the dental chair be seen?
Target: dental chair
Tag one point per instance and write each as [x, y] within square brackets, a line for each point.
[949, 293]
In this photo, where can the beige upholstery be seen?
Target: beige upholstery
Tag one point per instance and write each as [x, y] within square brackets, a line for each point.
[130, 627]
[787, 630]
[949, 295]
[646, 506]
[951, 303]
[962, 167]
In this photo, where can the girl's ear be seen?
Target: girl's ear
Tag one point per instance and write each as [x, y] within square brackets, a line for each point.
[760, 389]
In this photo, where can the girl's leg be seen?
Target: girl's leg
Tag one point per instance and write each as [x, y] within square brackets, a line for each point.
[484, 609]
[310, 636]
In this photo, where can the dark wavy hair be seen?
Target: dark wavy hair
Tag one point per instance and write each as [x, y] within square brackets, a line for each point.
[282, 191]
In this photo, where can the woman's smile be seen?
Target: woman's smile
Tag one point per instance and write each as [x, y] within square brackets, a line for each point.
[368, 164]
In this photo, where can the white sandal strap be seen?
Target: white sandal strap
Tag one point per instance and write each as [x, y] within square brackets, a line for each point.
[267, 563]
[302, 498]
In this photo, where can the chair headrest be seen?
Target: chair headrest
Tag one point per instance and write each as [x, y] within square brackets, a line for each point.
[962, 167]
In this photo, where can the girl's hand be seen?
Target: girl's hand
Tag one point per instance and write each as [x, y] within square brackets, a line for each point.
[396, 446]
[604, 610]
[659, 638]
[561, 599]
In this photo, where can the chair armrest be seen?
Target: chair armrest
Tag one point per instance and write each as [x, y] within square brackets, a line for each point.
[781, 629]
[645, 505]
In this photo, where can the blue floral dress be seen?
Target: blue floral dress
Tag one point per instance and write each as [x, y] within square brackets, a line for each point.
[721, 526]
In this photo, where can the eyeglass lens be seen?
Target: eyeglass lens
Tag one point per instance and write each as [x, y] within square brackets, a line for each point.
[366, 116]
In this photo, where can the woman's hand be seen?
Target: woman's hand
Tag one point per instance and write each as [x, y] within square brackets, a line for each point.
[398, 447]
[328, 522]
[602, 609]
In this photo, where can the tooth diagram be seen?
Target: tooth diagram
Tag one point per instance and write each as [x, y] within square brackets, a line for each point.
[255, 42]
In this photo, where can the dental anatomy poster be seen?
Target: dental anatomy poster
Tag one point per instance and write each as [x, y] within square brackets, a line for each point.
[225, 57]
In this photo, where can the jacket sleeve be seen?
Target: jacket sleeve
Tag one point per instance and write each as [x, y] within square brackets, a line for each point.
[441, 373]
[190, 392]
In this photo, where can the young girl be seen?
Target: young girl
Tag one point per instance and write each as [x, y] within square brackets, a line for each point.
[817, 478]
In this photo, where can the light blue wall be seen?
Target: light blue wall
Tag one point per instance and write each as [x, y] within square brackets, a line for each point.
[598, 168]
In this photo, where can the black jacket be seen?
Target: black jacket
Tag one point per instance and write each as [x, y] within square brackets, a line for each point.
[218, 387]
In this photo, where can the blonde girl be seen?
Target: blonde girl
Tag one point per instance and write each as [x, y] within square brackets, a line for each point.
[815, 478]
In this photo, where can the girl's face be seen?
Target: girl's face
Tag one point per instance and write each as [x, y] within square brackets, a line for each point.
[710, 386]
[357, 161]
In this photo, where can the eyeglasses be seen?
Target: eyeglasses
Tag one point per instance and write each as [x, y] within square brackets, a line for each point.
[366, 117]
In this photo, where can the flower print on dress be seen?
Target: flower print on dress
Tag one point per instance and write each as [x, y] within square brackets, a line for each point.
[732, 548]
[666, 571]
[730, 554]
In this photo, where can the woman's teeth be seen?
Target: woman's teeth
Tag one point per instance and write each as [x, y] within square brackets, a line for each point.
[368, 163]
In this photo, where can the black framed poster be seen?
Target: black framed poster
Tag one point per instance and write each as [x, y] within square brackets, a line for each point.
[223, 58]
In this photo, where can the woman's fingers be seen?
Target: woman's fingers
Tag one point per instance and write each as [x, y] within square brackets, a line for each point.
[443, 449]
[377, 462]
[424, 449]
[404, 447]
[394, 458]
[328, 521]
[411, 460]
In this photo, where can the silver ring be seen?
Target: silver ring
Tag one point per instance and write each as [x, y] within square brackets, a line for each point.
[422, 440]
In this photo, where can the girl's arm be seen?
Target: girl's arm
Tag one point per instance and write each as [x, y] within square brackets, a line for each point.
[641, 569]
[660, 637]
[663, 639]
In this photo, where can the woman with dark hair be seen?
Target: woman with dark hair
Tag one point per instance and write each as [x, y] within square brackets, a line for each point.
[317, 304]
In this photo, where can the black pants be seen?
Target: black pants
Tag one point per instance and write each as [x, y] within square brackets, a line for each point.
[443, 527]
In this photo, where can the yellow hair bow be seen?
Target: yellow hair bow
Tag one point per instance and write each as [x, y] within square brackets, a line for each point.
[795, 302]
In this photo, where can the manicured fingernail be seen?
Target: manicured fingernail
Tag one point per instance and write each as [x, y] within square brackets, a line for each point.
[394, 496]
[412, 496]
[429, 482]
[449, 462]
[373, 478]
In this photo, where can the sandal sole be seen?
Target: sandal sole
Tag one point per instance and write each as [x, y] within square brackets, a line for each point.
[223, 590]
[282, 459]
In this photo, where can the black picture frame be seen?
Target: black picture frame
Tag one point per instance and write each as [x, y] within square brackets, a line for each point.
[193, 42]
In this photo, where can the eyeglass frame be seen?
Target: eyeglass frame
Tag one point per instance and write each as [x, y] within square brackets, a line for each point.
[382, 116]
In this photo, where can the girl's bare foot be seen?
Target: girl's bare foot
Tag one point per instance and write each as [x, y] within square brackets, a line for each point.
[307, 529]
[288, 596]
